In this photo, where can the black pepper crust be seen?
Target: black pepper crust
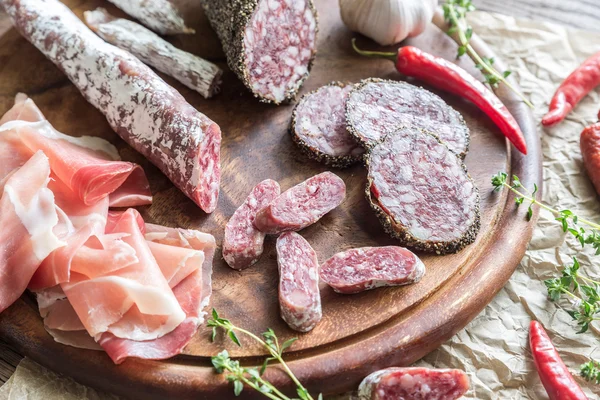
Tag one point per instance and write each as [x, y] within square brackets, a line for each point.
[402, 233]
[350, 107]
[229, 19]
[314, 153]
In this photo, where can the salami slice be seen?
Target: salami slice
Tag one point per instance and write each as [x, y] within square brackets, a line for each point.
[376, 108]
[319, 126]
[159, 15]
[302, 205]
[189, 69]
[146, 112]
[243, 243]
[422, 192]
[366, 268]
[270, 44]
[299, 297]
[414, 384]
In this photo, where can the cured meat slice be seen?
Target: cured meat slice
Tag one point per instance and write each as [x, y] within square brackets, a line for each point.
[189, 69]
[366, 268]
[319, 126]
[270, 44]
[376, 108]
[422, 192]
[243, 243]
[299, 297]
[302, 205]
[159, 15]
[146, 112]
[414, 384]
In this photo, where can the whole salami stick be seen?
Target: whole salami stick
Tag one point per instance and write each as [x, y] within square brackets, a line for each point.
[189, 69]
[146, 112]
[159, 15]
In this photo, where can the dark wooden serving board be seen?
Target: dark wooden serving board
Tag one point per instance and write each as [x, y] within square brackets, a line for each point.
[358, 333]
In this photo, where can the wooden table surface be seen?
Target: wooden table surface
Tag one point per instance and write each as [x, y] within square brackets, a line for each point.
[582, 14]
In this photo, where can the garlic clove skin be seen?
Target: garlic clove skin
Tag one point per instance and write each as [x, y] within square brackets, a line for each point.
[387, 21]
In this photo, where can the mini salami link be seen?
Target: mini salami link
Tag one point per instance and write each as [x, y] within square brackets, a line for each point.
[414, 384]
[299, 297]
[319, 126]
[377, 107]
[189, 69]
[357, 270]
[159, 15]
[422, 192]
[146, 112]
[302, 205]
[269, 44]
[243, 243]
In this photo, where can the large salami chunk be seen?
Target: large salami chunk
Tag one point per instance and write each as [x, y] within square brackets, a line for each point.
[422, 192]
[146, 112]
[376, 108]
[243, 243]
[319, 126]
[302, 205]
[414, 384]
[356, 270]
[299, 297]
[270, 44]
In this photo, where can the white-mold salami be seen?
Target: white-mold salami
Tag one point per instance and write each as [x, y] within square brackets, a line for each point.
[189, 69]
[302, 205]
[422, 192]
[414, 384]
[299, 297]
[146, 112]
[243, 243]
[356, 270]
[319, 126]
[159, 15]
[376, 108]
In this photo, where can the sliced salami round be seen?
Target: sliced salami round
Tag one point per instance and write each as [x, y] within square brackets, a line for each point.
[366, 268]
[243, 243]
[299, 297]
[376, 108]
[302, 205]
[319, 126]
[422, 192]
[414, 384]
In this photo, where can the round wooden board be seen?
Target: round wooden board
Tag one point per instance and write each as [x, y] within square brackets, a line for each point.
[358, 333]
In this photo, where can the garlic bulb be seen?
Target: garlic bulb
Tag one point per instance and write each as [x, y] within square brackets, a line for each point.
[388, 21]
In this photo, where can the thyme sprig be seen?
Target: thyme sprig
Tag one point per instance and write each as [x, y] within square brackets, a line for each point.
[455, 15]
[253, 376]
[590, 371]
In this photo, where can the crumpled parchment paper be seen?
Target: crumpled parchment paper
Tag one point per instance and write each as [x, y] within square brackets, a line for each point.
[493, 349]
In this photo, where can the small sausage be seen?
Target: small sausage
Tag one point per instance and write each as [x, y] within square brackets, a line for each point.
[590, 150]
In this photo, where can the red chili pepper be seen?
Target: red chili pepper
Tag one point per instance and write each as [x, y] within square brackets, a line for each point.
[555, 376]
[445, 75]
[577, 85]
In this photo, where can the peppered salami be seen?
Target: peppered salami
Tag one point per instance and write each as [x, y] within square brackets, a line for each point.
[319, 126]
[159, 15]
[270, 44]
[422, 192]
[146, 112]
[243, 243]
[414, 384]
[378, 107]
[356, 270]
[302, 205]
[299, 297]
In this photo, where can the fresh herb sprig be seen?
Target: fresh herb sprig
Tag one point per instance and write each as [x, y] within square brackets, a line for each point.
[455, 15]
[590, 371]
[252, 376]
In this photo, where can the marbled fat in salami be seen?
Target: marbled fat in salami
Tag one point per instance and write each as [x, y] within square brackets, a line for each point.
[376, 108]
[422, 192]
[356, 270]
[302, 205]
[299, 297]
[146, 112]
[159, 15]
[319, 126]
[243, 243]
